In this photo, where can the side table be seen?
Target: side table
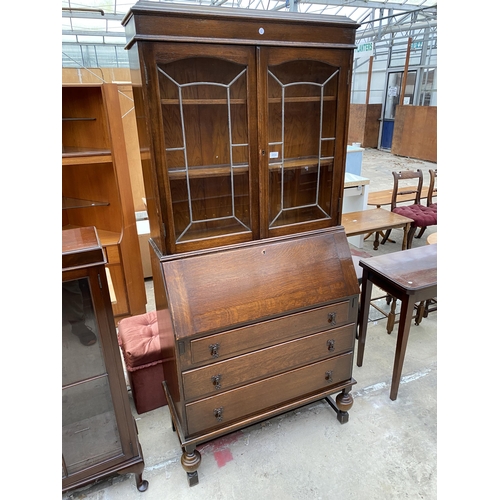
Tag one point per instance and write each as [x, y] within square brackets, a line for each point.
[375, 221]
[411, 277]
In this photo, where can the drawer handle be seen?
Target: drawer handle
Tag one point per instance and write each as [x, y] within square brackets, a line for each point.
[218, 413]
[332, 318]
[214, 350]
[331, 344]
[216, 380]
[328, 376]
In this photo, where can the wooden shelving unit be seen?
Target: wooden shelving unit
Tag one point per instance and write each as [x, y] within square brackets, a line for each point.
[96, 189]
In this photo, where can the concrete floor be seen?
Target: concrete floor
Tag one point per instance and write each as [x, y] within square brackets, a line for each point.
[387, 450]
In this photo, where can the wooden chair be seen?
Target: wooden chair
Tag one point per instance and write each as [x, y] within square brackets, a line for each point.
[432, 188]
[431, 194]
[422, 215]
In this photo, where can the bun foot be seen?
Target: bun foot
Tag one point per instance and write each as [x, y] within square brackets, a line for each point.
[190, 462]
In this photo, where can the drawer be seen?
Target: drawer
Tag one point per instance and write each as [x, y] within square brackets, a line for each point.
[113, 254]
[246, 368]
[267, 333]
[218, 411]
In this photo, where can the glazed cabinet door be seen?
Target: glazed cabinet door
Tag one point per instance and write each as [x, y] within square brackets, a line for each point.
[304, 106]
[201, 98]
[95, 432]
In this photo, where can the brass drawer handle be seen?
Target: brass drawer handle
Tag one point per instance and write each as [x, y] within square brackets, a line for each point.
[330, 344]
[214, 350]
[328, 376]
[332, 318]
[216, 380]
[218, 413]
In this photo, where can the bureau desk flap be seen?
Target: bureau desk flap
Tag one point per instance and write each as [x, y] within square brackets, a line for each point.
[214, 290]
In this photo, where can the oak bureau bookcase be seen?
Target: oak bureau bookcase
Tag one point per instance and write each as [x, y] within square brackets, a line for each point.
[242, 119]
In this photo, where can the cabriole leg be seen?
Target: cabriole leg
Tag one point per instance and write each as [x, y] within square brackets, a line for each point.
[142, 484]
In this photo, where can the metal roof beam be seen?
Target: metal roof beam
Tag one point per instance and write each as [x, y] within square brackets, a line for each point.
[367, 4]
[99, 33]
[92, 15]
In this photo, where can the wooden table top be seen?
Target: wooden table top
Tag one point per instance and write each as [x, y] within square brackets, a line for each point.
[384, 197]
[366, 221]
[432, 238]
[412, 269]
[80, 248]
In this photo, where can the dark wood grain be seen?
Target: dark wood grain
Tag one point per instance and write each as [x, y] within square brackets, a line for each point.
[247, 252]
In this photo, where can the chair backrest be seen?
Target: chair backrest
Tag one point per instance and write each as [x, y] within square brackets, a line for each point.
[432, 186]
[406, 190]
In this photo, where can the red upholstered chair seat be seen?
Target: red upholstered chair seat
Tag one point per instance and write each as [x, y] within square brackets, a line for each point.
[139, 340]
[422, 216]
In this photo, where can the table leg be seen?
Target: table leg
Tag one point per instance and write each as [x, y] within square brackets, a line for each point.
[391, 318]
[405, 235]
[407, 305]
[366, 293]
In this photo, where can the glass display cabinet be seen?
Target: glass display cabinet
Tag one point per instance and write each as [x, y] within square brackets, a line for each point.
[99, 435]
[242, 119]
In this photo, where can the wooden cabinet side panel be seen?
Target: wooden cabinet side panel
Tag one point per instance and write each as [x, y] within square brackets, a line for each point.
[168, 340]
[145, 127]
[129, 245]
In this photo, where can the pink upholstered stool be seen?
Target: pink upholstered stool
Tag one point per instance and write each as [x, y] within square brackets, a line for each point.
[140, 344]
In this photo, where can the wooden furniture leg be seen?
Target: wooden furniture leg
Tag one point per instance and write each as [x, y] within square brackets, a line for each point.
[420, 313]
[405, 236]
[391, 318]
[343, 403]
[141, 484]
[407, 305]
[366, 292]
[190, 461]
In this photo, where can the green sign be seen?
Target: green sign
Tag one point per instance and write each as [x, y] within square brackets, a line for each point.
[364, 50]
